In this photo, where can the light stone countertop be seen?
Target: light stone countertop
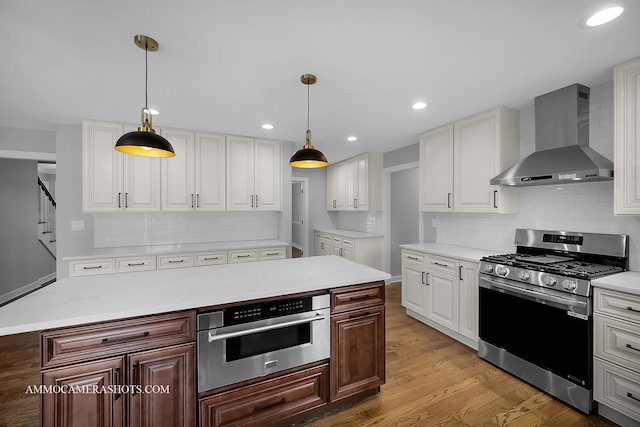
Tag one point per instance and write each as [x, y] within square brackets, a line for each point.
[459, 252]
[150, 250]
[628, 281]
[348, 233]
[79, 300]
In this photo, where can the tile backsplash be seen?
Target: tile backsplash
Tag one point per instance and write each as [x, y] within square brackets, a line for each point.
[141, 229]
[586, 207]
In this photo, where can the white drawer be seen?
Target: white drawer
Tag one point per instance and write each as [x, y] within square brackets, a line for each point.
[412, 256]
[347, 242]
[442, 263]
[248, 255]
[211, 258]
[174, 261]
[91, 267]
[617, 387]
[272, 253]
[617, 304]
[135, 264]
[618, 341]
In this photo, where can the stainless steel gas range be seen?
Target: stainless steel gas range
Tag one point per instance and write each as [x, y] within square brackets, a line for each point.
[536, 310]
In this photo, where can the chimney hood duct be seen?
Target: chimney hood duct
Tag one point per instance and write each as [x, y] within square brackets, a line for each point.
[562, 153]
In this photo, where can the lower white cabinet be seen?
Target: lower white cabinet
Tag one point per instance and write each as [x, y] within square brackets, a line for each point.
[616, 373]
[91, 267]
[442, 292]
[363, 248]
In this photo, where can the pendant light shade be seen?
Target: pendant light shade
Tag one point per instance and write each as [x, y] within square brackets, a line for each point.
[145, 142]
[308, 156]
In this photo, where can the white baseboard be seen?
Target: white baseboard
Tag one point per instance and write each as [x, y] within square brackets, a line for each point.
[394, 279]
[27, 288]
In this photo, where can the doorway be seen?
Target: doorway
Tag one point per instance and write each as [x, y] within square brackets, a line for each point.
[299, 217]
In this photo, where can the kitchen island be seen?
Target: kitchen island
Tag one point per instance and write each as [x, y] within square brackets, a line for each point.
[83, 308]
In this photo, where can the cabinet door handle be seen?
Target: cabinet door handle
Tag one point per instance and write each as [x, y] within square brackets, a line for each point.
[424, 281]
[428, 279]
[632, 396]
[633, 309]
[252, 200]
[126, 200]
[460, 273]
[197, 200]
[355, 203]
[119, 200]
[192, 205]
[334, 204]
[256, 200]
[440, 264]
[259, 408]
[449, 200]
[632, 347]
[340, 252]
[134, 370]
[127, 338]
[114, 379]
[321, 245]
[495, 195]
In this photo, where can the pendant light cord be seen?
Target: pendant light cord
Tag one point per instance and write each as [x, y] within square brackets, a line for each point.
[308, 104]
[146, 75]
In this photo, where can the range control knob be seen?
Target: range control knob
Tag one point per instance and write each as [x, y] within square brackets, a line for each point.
[549, 280]
[569, 284]
[524, 276]
[488, 268]
[501, 270]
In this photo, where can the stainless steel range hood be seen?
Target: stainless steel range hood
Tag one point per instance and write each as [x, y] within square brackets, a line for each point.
[562, 153]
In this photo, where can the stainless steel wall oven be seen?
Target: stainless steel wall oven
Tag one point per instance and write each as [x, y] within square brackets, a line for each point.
[536, 310]
[249, 341]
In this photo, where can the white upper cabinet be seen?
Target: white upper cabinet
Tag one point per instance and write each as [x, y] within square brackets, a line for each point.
[254, 174]
[336, 186]
[457, 162]
[113, 181]
[195, 178]
[355, 184]
[436, 170]
[626, 138]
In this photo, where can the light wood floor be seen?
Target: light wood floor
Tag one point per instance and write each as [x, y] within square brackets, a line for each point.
[433, 380]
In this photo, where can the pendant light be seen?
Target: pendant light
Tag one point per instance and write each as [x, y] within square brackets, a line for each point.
[145, 141]
[308, 156]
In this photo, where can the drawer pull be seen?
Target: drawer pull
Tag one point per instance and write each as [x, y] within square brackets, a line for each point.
[259, 408]
[243, 256]
[359, 298]
[120, 339]
[135, 264]
[273, 253]
[174, 261]
[412, 257]
[355, 316]
[632, 396]
[116, 373]
[212, 258]
[632, 347]
[441, 265]
[92, 268]
[633, 309]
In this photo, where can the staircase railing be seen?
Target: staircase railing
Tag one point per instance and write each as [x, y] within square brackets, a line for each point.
[47, 212]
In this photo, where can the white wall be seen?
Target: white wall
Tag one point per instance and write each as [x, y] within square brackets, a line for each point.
[586, 207]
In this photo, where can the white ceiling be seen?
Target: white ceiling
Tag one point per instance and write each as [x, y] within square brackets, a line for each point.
[229, 66]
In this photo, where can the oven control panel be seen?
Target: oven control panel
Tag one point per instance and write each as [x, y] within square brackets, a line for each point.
[266, 310]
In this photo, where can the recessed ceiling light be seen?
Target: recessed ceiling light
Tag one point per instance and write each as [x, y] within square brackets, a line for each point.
[267, 126]
[419, 106]
[603, 16]
[352, 138]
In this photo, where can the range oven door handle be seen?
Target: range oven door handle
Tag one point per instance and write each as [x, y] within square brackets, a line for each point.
[565, 303]
[218, 337]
